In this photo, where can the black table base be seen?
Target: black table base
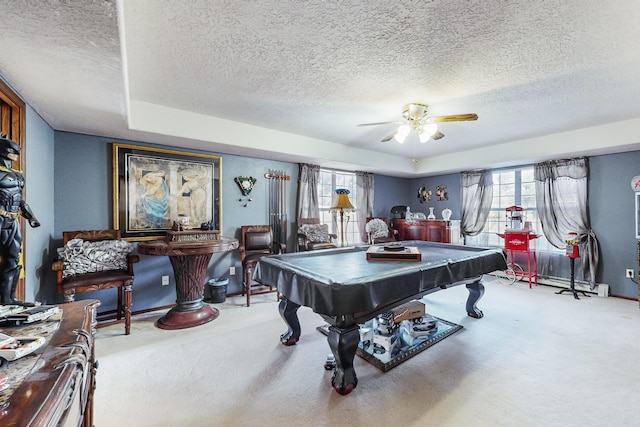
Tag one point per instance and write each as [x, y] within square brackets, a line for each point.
[572, 286]
[343, 340]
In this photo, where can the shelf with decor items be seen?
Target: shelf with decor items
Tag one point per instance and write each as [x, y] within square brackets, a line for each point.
[428, 230]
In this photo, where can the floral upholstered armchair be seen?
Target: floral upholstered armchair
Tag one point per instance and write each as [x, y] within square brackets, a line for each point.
[312, 235]
[379, 232]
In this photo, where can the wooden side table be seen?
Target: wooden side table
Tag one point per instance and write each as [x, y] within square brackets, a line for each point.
[189, 260]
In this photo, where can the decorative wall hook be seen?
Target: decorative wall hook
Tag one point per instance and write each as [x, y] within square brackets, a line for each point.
[441, 192]
[423, 194]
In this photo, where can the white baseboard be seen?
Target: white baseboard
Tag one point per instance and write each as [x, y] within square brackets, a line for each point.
[601, 289]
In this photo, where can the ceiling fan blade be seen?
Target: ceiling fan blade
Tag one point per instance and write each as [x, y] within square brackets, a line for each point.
[381, 123]
[453, 118]
[438, 135]
[388, 137]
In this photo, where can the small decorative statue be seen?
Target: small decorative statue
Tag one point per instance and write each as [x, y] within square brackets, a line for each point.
[12, 206]
[431, 215]
[207, 226]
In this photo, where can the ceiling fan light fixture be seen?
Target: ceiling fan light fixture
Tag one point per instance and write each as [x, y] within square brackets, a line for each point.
[415, 118]
[426, 131]
[402, 133]
[424, 137]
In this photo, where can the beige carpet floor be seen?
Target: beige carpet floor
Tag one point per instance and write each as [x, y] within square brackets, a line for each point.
[535, 359]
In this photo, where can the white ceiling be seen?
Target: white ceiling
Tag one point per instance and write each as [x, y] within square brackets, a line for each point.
[290, 80]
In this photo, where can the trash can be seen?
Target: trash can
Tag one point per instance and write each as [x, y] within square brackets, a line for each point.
[218, 290]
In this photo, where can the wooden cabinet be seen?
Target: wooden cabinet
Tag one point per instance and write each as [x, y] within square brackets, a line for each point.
[423, 229]
[54, 385]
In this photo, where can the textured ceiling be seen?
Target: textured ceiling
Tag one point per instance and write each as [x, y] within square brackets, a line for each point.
[291, 80]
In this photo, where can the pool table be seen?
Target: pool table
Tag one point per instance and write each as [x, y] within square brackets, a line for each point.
[346, 289]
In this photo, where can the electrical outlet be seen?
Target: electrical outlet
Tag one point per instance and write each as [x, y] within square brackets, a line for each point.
[630, 273]
[232, 271]
[165, 280]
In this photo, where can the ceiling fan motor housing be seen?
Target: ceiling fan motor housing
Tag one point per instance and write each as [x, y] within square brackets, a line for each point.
[414, 113]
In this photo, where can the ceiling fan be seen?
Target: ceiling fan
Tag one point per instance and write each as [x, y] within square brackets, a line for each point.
[415, 117]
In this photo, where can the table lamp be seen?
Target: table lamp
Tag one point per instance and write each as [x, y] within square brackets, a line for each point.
[341, 203]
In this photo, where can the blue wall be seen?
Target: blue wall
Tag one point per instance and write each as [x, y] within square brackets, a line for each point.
[451, 183]
[83, 185]
[75, 192]
[389, 192]
[612, 211]
[84, 199]
[611, 207]
[39, 194]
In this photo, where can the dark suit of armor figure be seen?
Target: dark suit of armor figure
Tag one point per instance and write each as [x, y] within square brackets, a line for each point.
[12, 206]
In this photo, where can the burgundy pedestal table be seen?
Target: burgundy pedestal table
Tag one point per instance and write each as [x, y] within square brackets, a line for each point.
[189, 261]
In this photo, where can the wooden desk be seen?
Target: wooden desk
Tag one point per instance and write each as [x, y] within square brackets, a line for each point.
[189, 261]
[54, 385]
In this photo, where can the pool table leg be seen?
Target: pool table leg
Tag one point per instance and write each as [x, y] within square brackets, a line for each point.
[289, 313]
[343, 343]
[476, 291]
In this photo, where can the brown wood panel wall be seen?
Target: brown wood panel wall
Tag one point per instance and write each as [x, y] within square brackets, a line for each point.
[12, 123]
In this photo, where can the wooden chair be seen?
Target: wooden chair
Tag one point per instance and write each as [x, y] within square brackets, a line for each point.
[391, 233]
[256, 242]
[122, 280]
[307, 242]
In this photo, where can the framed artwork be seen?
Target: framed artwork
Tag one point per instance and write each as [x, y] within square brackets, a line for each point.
[155, 187]
[637, 194]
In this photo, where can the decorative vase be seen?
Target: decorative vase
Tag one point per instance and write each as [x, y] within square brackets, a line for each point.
[446, 214]
[431, 215]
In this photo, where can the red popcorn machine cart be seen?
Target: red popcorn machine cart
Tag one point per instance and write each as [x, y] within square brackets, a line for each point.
[517, 239]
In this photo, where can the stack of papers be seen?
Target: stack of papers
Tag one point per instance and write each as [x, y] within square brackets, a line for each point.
[19, 315]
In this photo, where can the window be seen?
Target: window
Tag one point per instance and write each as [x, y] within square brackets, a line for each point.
[512, 187]
[328, 181]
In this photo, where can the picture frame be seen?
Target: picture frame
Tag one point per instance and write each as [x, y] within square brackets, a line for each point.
[153, 188]
[637, 194]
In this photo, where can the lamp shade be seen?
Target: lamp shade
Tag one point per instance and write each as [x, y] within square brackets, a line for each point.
[341, 200]
[426, 132]
[402, 133]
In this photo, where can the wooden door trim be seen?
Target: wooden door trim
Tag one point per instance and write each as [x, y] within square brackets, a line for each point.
[13, 122]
